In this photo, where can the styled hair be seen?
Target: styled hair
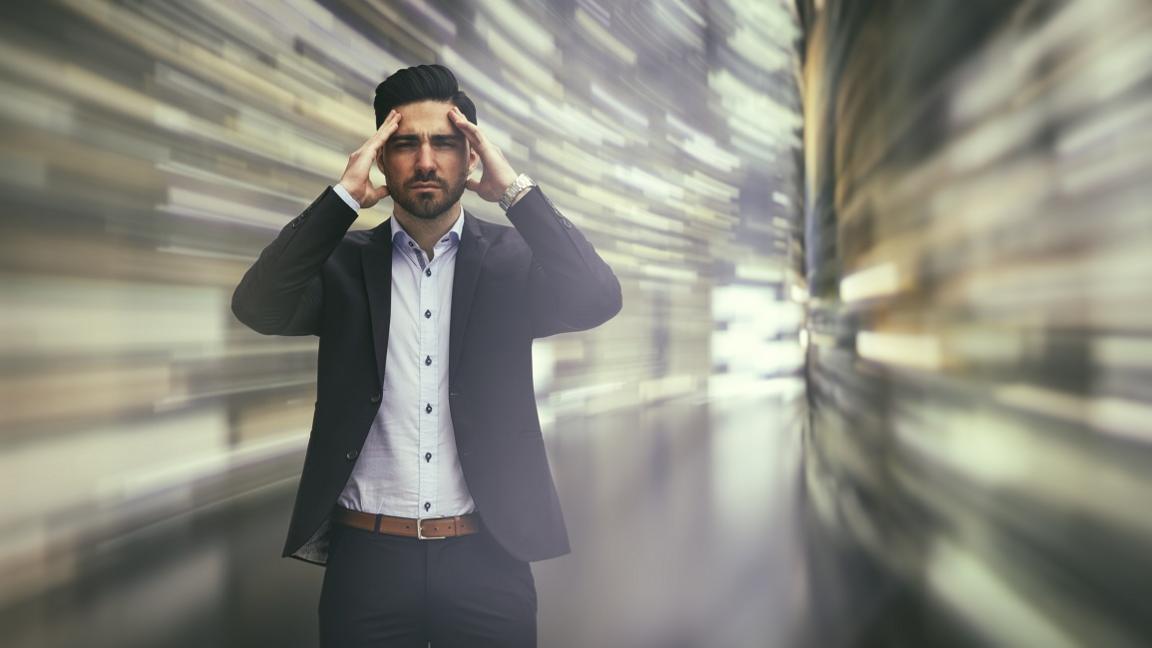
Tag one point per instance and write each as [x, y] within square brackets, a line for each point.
[420, 83]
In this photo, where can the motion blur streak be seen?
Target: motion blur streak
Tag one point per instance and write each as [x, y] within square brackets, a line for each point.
[148, 150]
[978, 239]
[883, 376]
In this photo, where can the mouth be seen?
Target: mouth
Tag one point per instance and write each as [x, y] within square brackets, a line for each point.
[424, 185]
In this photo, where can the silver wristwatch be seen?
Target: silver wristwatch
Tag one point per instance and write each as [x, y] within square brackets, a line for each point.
[521, 183]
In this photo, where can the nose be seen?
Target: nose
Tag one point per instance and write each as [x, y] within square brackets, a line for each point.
[424, 161]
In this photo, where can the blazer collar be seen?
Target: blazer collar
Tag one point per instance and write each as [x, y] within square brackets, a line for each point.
[376, 259]
[469, 262]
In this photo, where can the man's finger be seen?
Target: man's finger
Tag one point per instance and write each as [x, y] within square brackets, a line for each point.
[370, 151]
[473, 134]
[356, 167]
[378, 193]
[388, 125]
[380, 137]
[363, 159]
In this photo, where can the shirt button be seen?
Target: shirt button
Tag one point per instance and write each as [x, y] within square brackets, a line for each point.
[427, 505]
[352, 454]
[427, 314]
[427, 361]
[428, 408]
[428, 272]
[375, 398]
[427, 456]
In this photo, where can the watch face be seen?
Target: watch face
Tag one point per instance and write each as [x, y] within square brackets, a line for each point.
[514, 189]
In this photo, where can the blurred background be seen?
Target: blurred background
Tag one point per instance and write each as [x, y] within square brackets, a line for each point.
[883, 376]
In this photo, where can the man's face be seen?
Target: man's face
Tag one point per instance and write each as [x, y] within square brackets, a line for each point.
[427, 160]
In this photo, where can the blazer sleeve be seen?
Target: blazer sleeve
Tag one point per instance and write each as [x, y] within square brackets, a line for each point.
[282, 293]
[570, 288]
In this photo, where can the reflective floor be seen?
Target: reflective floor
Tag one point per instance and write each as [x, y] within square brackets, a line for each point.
[683, 521]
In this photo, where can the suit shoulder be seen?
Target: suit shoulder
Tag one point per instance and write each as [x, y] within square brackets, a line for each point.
[350, 245]
[356, 238]
[500, 233]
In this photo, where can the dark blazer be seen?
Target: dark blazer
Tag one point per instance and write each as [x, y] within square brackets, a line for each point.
[511, 285]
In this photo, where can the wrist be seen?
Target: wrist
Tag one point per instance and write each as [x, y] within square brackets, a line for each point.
[519, 195]
[515, 191]
[345, 195]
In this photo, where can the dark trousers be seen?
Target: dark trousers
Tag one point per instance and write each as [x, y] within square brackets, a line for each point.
[384, 591]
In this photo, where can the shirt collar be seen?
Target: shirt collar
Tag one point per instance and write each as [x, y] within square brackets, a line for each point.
[452, 237]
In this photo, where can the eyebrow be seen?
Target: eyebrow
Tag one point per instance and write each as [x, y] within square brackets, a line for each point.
[411, 138]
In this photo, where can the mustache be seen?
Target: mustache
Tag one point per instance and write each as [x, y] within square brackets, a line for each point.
[430, 179]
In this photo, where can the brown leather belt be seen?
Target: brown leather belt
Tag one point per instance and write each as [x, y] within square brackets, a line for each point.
[425, 529]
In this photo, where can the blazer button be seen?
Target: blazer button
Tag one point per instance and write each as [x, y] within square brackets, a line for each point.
[375, 398]
[352, 454]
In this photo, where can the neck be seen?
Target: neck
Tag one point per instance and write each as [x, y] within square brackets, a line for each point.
[427, 231]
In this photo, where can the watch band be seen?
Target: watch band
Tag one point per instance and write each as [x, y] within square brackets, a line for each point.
[521, 183]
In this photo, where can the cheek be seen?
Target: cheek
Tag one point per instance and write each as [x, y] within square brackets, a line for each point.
[390, 168]
[458, 159]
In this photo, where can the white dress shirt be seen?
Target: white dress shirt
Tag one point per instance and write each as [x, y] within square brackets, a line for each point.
[408, 465]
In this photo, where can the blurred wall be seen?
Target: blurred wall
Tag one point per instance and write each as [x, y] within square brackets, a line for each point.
[149, 150]
[978, 238]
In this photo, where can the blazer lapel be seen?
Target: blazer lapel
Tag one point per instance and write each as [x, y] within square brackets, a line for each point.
[376, 258]
[469, 261]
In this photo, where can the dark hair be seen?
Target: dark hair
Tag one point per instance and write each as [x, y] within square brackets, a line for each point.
[421, 83]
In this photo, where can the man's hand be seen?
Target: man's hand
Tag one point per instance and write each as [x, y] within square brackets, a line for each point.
[355, 178]
[498, 174]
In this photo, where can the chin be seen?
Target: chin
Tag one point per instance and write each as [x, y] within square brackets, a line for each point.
[430, 208]
[424, 209]
[423, 215]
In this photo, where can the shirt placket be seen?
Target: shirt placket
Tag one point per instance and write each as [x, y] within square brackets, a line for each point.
[429, 414]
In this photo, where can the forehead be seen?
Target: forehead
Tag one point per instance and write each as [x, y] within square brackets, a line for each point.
[425, 117]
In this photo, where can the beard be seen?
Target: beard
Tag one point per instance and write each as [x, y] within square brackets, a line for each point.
[428, 204]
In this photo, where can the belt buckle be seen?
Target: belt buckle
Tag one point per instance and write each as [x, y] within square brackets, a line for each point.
[420, 531]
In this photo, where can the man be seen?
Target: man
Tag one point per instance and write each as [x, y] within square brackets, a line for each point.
[426, 489]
